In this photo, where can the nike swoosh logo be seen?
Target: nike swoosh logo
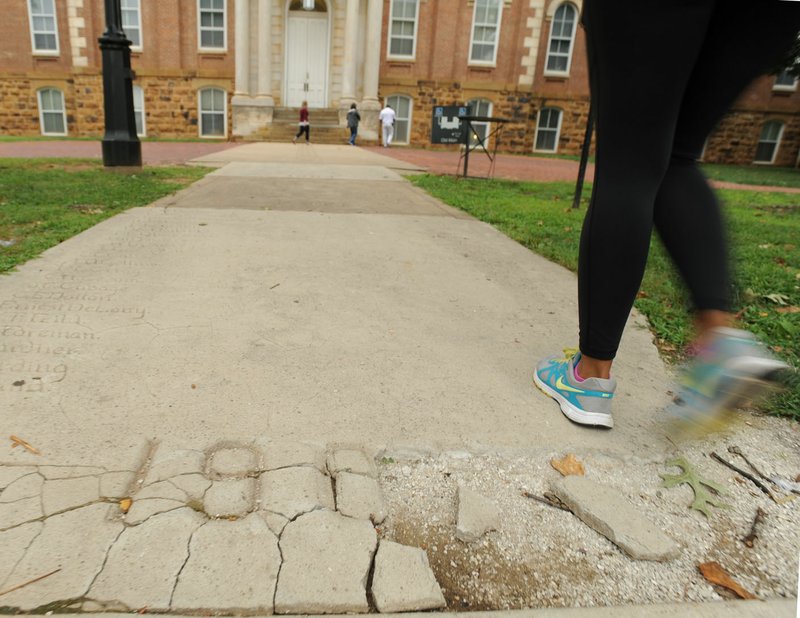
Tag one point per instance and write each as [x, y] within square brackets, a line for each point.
[566, 387]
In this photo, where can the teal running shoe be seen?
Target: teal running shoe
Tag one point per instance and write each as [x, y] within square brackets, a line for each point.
[734, 370]
[587, 402]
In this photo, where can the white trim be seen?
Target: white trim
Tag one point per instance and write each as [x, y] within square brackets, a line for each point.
[777, 142]
[213, 50]
[42, 110]
[328, 52]
[140, 46]
[389, 54]
[558, 129]
[44, 52]
[397, 117]
[141, 110]
[784, 87]
[224, 135]
[485, 63]
[576, 17]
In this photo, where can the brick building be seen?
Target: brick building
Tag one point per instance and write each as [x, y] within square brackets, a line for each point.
[219, 69]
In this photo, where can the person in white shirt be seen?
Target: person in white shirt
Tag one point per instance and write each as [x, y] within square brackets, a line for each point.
[387, 117]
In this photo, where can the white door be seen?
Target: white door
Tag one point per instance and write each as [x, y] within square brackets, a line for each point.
[307, 59]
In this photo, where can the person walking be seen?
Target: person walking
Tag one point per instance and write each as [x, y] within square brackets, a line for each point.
[662, 74]
[304, 126]
[353, 118]
[387, 118]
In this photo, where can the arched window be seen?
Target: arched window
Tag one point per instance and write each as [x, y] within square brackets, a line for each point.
[213, 112]
[769, 142]
[52, 115]
[480, 107]
[401, 105]
[562, 37]
[548, 129]
[138, 110]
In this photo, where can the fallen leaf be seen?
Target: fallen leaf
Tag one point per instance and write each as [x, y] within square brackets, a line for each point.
[715, 574]
[125, 505]
[776, 348]
[789, 309]
[642, 294]
[540, 223]
[26, 445]
[568, 466]
[763, 314]
[778, 299]
[702, 498]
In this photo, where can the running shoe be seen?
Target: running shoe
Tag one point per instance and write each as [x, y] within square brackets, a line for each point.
[587, 402]
[732, 371]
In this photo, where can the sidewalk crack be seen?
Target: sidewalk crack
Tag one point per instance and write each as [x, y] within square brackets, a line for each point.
[185, 562]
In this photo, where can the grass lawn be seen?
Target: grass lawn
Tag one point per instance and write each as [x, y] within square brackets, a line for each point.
[754, 174]
[765, 231]
[46, 201]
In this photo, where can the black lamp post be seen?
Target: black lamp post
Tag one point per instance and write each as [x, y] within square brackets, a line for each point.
[121, 145]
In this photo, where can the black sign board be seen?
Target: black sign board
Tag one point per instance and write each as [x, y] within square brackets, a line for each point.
[447, 127]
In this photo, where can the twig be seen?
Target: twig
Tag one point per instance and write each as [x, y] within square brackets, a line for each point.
[26, 445]
[28, 583]
[750, 538]
[546, 500]
[274, 286]
[746, 475]
[737, 451]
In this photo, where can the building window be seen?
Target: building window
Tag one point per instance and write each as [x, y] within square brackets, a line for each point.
[480, 107]
[769, 142]
[562, 35]
[212, 24]
[403, 28]
[44, 28]
[402, 123]
[52, 115]
[138, 110]
[548, 129]
[785, 81]
[485, 31]
[213, 112]
[132, 22]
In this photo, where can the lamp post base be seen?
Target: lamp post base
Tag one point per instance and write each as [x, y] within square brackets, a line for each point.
[122, 153]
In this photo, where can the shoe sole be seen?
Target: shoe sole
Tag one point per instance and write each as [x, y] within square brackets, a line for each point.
[576, 415]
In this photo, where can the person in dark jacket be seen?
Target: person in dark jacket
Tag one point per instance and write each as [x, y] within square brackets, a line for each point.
[303, 126]
[353, 118]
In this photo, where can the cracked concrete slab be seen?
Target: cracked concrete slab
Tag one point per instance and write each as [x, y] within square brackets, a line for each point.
[292, 491]
[142, 510]
[233, 462]
[144, 563]
[477, 515]
[277, 454]
[20, 511]
[168, 463]
[232, 566]
[24, 487]
[350, 460]
[230, 498]
[116, 484]
[403, 580]
[13, 545]
[76, 542]
[9, 474]
[63, 494]
[360, 497]
[326, 561]
[193, 485]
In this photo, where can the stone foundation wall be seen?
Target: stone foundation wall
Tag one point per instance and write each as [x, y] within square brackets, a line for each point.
[170, 103]
[736, 137]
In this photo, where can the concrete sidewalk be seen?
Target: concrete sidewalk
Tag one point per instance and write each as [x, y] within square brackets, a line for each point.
[216, 357]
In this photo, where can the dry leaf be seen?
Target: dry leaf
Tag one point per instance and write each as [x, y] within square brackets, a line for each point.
[789, 309]
[715, 574]
[20, 442]
[125, 504]
[568, 466]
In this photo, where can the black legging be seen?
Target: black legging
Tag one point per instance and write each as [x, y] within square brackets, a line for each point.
[663, 72]
[304, 129]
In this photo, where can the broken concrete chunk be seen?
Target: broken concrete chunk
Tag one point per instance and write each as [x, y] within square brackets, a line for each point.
[275, 455]
[232, 462]
[144, 563]
[167, 464]
[608, 512]
[360, 497]
[351, 460]
[230, 498]
[326, 562]
[232, 566]
[476, 515]
[403, 580]
[60, 495]
[292, 491]
[24, 487]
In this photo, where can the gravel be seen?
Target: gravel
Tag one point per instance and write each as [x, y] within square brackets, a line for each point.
[541, 556]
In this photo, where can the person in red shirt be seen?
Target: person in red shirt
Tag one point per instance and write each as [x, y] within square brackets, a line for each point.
[303, 126]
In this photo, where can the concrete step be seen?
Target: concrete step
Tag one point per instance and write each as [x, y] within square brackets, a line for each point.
[316, 116]
[284, 132]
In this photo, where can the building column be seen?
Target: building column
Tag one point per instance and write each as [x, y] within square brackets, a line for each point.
[350, 41]
[242, 27]
[372, 62]
[265, 49]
